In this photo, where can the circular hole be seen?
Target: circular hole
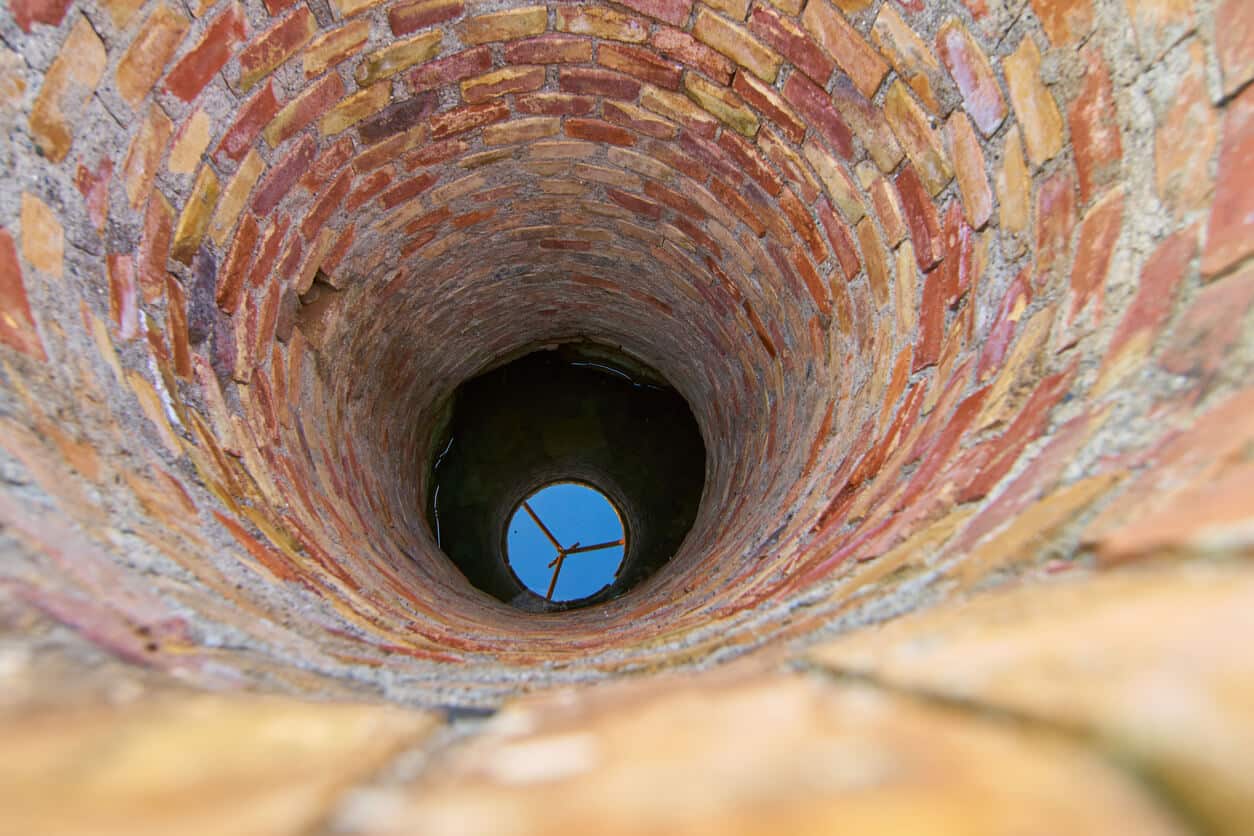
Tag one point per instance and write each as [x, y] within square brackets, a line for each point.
[565, 541]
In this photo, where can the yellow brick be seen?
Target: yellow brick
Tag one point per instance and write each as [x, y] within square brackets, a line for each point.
[922, 144]
[722, 103]
[194, 221]
[153, 46]
[335, 46]
[674, 106]
[43, 239]
[737, 44]
[348, 8]
[191, 143]
[398, 56]
[235, 196]
[354, 108]
[144, 157]
[521, 130]
[1033, 103]
[504, 26]
[840, 186]
[67, 85]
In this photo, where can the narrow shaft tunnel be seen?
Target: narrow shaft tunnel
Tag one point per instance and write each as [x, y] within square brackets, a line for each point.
[953, 296]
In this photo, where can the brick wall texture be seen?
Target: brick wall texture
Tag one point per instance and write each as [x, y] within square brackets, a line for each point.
[960, 293]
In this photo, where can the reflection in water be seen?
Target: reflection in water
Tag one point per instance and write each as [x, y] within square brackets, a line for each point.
[565, 541]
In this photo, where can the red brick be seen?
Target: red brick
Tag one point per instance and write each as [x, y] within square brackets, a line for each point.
[268, 252]
[1055, 221]
[328, 201]
[640, 63]
[410, 17]
[450, 69]
[704, 154]
[469, 219]
[253, 116]
[971, 71]
[154, 246]
[1094, 132]
[595, 82]
[552, 48]
[636, 119]
[554, 104]
[276, 6]
[282, 176]
[1018, 296]
[235, 270]
[921, 218]
[404, 191]
[595, 130]
[1202, 339]
[270, 49]
[1228, 235]
[467, 118]
[123, 295]
[502, 82]
[845, 44]
[674, 12]
[94, 187]
[150, 50]
[763, 98]
[751, 163]
[176, 327]
[688, 50]
[635, 203]
[1098, 234]
[732, 200]
[1155, 296]
[432, 153]
[328, 163]
[931, 322]
[48, 12]
[792, 42]
[841, 239]
[17, 324]
[814, 104]
[196, 68]
[1182, 158]
[868, 122]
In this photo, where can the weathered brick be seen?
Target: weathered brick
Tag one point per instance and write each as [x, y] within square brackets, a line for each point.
[1182, 158]
[17, 323]
[401, 116]
[1228, 238]
[501, 83]
[150, 50]
[554, 104]
[745, 155]
[143, 159]
[841, 239]
[674, 12]
[1234, 43]
[549, 49]
[912, 59]
[283, 175]
[352, 109]
[467, 118]
[43, 239]
[968, 161]
[1065, 22]
[868, 122]
[1014, 185]
[232, 278]
[268, 51]
[688, 50]
[640, 63]
[521, 130]
[190, 143]
[763, 98]
[595, 130]
[254, 116]
[594, 82]
[789, 162]
[793, 43]
[1094, 134]
[736, 43]
[450, 69]
[971, 71]
[840, 186]
[1033, 103]
[176, 327]
[194, 220]
[94, 187]
[328, 201]
[638, 119]
[1158, 24]
[334, 47]
[849, 49]
[67, 87]
[1095, 248]
[154, 245]
[397, 56]
[601, 22]
[815, 105]
[410, 17]
[874, 259]
[722, 103]
[302, 111]
[1054, 222]
[504, 26]
[1158, 283]
[210, 54]
[123, 298]
[921, 144]
[407, 190]
[921, 218]
[888, 210]
[235, 197]
[48, 12]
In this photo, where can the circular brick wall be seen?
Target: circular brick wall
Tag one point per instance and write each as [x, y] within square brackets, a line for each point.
[936, 279]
